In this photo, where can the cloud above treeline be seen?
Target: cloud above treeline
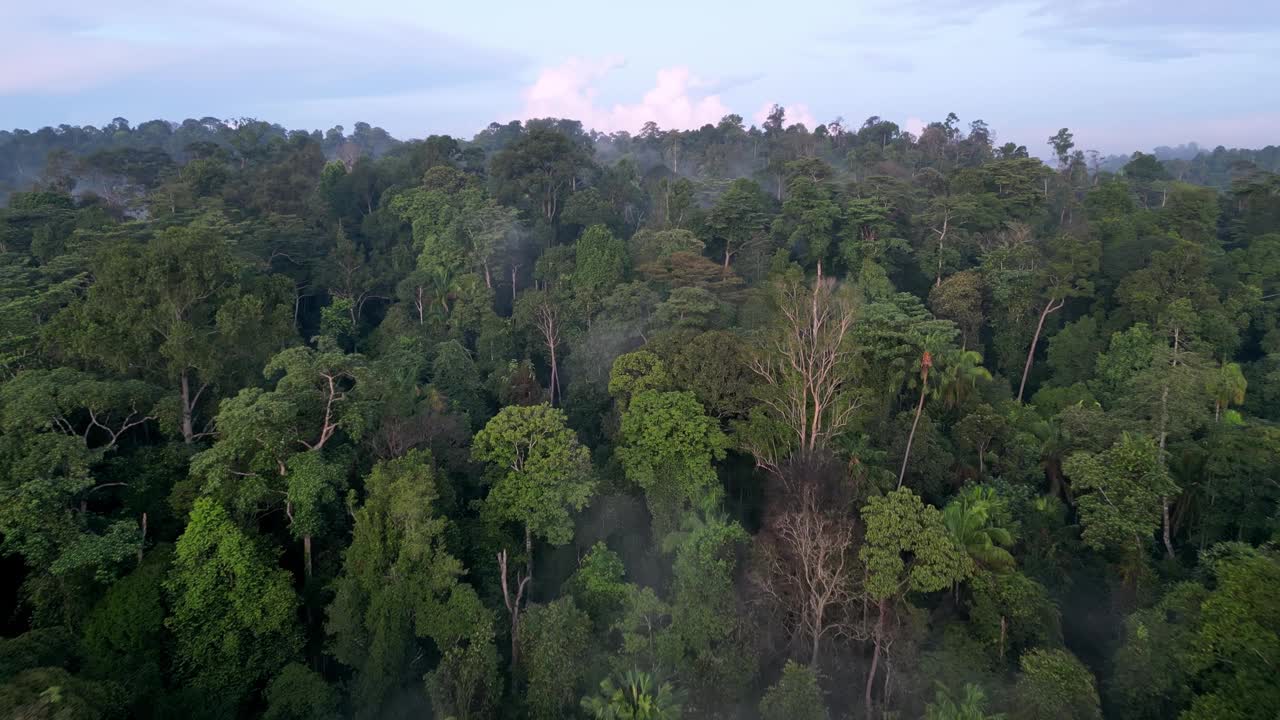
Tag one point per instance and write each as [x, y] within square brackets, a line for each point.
[677, 99]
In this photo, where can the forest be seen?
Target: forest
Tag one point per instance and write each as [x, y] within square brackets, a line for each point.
[738, 422]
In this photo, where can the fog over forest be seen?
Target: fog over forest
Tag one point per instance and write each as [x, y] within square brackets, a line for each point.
[750, 421]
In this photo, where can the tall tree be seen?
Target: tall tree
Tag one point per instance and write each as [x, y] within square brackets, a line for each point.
[234, 612]
[181, 311]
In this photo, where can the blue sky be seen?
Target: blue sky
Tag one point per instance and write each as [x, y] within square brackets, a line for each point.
[1122, 74]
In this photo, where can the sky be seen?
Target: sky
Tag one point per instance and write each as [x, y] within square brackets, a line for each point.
[1123, 75]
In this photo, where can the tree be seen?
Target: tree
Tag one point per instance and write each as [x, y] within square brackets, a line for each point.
[804, 368]
[398, 584]
[1227, 386]
[537, 172]
[1062, 143]
[1029, 277]
[806, 554]
[738, 217]
[906, 548]
[180, 311]
[1119, 491]
[56, 427]
[1054, 685]
[667, 447]
[542, 312]
[971, 519]
[270, 447]
[555, 640]
[600, 263]
[636, 372]
[968, 707]
[795, 697]
[298, 693]
[633, 697]
[124, 635]
[706, 643]
[234, 612]
[539, 472]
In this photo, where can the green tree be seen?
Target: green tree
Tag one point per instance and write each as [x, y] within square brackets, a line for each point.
[796, 696]
[971, 517]
[907, 548]
[539, 470]
[1226, 385]
[234, 612]
[600, 263]
[637, 372]
[298, 693]
[399, 584]
[633, 697]
[555, 641]
[180, 311]
[1054, 685]
[667, 447]
[1118, 493]
[739, 216]
[968, 707]
[270, 447]
[597, 586]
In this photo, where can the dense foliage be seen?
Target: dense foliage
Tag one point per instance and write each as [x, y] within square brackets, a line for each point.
[767, 422]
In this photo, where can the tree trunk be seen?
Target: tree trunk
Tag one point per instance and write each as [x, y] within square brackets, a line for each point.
[188, 429]
[1165, 533]
[875, 657]
[902, 473]
[528, 554]
[1050, 307]
[555, 373]
[817, 644]
[306, 554]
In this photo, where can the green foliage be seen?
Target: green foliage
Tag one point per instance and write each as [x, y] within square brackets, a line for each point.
[633, 697]
[967, 707]
[597, 586]
[1010, 612]
[908, 547]
[124, 637]
[540, 472]
[50, 693]
[555, 640]
[398, 584]
[1054, 685]
[636, 372]
[298, 693]
[1118, 493]
[234, 612]
[795, 697]
[971, 519]
[668, 446]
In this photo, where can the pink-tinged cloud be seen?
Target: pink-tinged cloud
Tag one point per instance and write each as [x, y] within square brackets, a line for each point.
[570, 90]
[914, 125]
[795, 114]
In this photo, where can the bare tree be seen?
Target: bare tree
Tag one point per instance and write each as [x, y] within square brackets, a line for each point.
[808, 381]
[806, 573]
[547, 319]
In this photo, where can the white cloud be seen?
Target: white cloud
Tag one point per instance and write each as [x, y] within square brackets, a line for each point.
[570, 90]
[914, 125]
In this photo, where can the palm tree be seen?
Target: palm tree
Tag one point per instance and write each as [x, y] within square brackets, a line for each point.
[959, 373]
[968, 707]
[1227, 386]
[970, 517]
[633, 698]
